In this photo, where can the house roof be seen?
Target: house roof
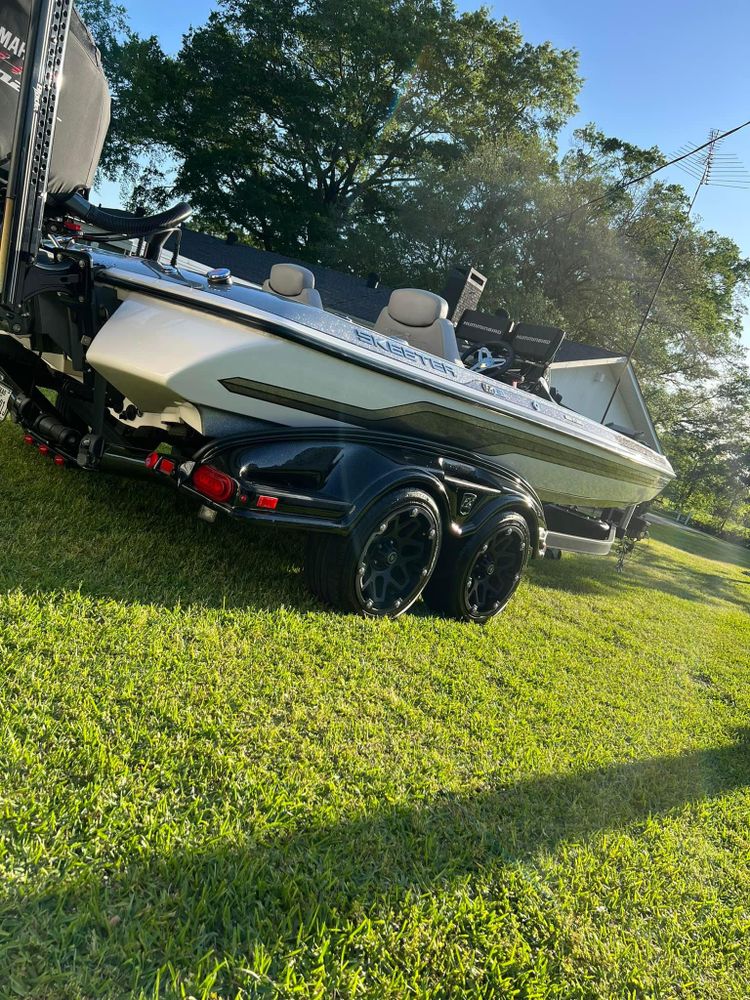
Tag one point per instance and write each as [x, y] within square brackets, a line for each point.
[346, 293]
[572, 351]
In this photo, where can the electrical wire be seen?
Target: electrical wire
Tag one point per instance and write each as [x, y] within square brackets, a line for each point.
[623, 185]
[662, 276]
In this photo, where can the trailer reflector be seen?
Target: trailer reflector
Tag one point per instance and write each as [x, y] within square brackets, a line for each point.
[267, 503]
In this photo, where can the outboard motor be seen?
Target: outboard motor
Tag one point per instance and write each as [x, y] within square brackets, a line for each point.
[54, 116]
[83, 110]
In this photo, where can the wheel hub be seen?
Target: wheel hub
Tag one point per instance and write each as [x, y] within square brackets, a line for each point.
[495, 572]
[397, 559]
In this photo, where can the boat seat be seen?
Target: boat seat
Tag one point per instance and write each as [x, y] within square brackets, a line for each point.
[420, 318]
[290, 281]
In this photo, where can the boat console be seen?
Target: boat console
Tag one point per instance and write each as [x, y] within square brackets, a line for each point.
[518, 354]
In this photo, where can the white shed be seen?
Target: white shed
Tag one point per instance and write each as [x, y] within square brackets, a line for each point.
[586, 376]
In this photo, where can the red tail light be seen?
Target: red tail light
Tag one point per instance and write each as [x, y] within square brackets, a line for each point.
[59, 460]
[28, 439]
[43, 449]
[213, 484]
[152, 459]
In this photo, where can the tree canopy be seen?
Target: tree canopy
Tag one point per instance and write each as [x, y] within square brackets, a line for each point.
[286, 118]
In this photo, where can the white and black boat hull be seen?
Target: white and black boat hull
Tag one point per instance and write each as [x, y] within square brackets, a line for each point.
[227, 354]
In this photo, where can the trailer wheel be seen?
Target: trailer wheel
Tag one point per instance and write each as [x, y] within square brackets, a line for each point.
[382, 567]
[475, 579]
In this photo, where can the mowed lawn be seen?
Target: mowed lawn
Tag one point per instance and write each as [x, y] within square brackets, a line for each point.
[211, 787]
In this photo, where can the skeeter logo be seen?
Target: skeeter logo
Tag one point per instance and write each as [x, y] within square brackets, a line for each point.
[399, 350]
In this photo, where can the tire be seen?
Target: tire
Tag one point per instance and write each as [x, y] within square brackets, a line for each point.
[476, 578]
[382, 567]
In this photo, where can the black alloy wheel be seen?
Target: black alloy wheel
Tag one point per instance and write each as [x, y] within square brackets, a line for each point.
[475, 581]
[381, 569]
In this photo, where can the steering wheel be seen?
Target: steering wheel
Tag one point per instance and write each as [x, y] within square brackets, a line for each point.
[501, 353]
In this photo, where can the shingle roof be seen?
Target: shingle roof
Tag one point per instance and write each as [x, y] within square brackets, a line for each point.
[572, 350]
[346, 293]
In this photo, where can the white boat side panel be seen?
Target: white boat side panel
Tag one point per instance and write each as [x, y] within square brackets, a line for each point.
[326, 331]
[160, 353]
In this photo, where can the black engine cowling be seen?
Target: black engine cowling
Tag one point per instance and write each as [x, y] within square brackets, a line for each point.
[83, 109]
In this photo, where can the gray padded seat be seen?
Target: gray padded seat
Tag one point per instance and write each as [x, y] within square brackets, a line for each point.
[293, 282]
[419, 318]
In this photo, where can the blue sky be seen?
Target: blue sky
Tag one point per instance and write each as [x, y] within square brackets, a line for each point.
[655, 73]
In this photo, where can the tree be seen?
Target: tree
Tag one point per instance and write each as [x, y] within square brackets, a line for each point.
[288, 117]
[709, 445]
[564, 242]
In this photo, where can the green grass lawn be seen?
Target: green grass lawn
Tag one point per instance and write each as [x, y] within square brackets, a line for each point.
[210, 787]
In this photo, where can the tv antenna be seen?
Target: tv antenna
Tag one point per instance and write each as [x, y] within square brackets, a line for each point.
[707, 167]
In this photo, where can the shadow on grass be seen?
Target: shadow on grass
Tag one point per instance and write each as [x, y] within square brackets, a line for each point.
[138, 542]
[264, 890]
[645, 568]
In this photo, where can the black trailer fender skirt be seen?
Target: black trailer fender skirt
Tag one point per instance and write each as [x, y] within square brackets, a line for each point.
[326, 480]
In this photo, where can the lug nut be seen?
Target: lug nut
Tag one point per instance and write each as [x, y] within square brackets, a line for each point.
[369, 604]
[414, 511]
[382, 528]
[431, 533]
[397, 603]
